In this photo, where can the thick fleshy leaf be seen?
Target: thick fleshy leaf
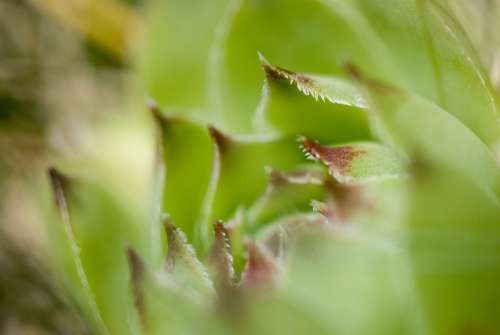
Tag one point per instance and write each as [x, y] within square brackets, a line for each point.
[261, 270]
[417, 45]
[221, 257]
[161, 307]
[238, 175]
[69, 248]
[188, 156]
[293, 34]
[96, 226]
[351, 287]
[183, 264]
[356, 162]
[278, 237]
[463, 83]
[430, 56]
[418, 127]
[480, 21]
[324, 108]
[453, 234]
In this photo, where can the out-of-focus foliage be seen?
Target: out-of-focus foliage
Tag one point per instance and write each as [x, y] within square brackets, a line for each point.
[321, 166]
[56, 85]
[29, 301]
[108, 23]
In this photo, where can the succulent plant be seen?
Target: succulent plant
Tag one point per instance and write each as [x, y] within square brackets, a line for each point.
[323, 166]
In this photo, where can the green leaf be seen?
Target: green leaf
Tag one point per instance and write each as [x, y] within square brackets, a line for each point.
[183, 264]
[417, 45]
[356, 162]
[221, 259]
[325, 108]
[286, 193]
[418, 127]
[435, 60]
[96, 226]
[174, 59]
[188, 155]
[261, 271]
[161, 306]
[453, 235]
[351, 287]
[480, 21]
[294, 34]
[238, 174]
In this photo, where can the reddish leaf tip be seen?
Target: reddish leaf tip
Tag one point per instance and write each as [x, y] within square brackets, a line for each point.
[260, 269]
[338, 159]
[219, 138]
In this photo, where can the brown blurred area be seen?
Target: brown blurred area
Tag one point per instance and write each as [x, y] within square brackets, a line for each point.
[60, 73]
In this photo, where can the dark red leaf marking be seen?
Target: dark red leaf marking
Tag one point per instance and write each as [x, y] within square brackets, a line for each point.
[260, 269]
[338, 159]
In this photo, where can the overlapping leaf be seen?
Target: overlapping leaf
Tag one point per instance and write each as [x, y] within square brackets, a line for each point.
[95, 227]
[324, 108]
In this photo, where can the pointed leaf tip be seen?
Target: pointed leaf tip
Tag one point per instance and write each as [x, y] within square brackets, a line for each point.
[262, 59]
[155, 111]
[137, 269]
[260, 270]
[59, 184]
[167, 224]
[338, 159]
[303, 82]
[221, 256]
[272, 72]
[173, 243]
[57, 179]
[219, 138]
[181, 256]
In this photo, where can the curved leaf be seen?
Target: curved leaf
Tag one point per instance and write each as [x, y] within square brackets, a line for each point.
[174, 61]
[356, 162]
[238, 174]
[188, 155]
[325, 108]
[453, 235]
[286, 193]
[97, 225]
[419, 127]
